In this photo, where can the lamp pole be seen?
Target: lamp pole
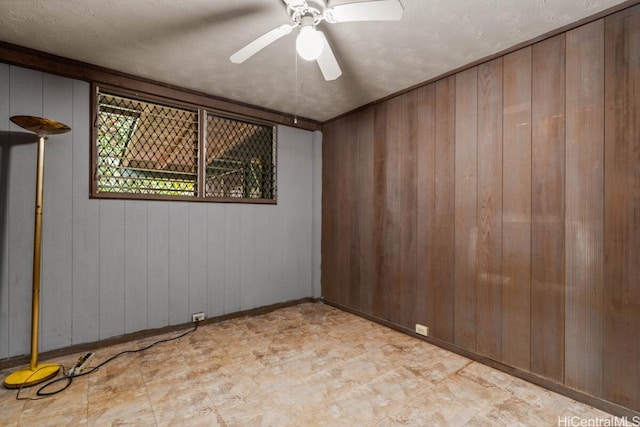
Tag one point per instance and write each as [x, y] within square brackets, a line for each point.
[36, 373]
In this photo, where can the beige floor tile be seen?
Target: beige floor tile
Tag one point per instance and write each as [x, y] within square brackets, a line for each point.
[486, 376]
[308, 365]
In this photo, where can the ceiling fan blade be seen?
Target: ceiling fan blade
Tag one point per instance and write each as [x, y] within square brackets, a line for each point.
[327, 61]
[380, 10]
[260, 43]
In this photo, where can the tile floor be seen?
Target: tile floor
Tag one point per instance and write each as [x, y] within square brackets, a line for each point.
[308, 365]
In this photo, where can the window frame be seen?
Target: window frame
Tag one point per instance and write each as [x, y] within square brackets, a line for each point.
[202, 113]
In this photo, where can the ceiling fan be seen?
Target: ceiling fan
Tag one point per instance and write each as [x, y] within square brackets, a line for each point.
[311, 43]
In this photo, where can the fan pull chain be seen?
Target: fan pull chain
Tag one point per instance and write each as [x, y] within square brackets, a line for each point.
[295, 107]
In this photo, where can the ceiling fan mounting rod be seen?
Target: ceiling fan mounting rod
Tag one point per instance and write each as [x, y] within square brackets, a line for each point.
[307, 21]
[306, 9]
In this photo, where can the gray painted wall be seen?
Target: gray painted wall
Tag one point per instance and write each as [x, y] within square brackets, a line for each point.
[112, 267]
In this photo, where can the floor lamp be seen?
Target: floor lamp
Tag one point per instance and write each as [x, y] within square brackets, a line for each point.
[36, 373]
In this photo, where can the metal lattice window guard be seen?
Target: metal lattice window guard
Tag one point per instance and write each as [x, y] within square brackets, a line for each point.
[147, 149]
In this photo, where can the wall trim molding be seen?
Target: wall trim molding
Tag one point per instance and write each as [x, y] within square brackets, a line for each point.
[582, 397]
[596, 402]
[41, 61]
[92, 346]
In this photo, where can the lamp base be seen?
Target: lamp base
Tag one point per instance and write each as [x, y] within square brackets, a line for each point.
[28, 377]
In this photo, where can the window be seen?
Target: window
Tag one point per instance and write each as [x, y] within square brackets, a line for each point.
[147, 149]
[239, 159]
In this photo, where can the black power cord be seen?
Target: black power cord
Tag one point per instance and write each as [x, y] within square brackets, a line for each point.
[68, 377]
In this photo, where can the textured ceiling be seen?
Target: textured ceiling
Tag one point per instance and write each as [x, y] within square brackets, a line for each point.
[188, 43]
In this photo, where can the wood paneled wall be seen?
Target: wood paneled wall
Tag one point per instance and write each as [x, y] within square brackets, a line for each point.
[112, 267]
[500, 207]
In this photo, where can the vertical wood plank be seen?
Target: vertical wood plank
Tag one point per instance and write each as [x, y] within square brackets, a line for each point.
[329, 155]
[25, 93]
[348, 202]
[392, 204]
[295, 158]
[56, 290]
[466, 208]
[584, 187]
[547, 208]
[516, 221]
[364, 213]
[178, 263]
[342, 199]
[232, 265]
[5, 147]
[407, 210]
[266, 241]
[198, 254]
[344, 211]
[85, 217]
[426, 302]
[332, 269]
[444, 242]
[489, 254]
[158, 264]
[247, 237]
[352, 187]
[316, 213]
[622, 208]
[384, 267]
[389, 284]
[276, 256]
[215, 259]
[112, 250]
[135, 266]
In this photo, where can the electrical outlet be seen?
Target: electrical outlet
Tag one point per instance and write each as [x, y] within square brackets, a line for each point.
[197, 317]
[422, 330]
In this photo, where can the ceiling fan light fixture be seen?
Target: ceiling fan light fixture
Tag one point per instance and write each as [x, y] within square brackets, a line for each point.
[309, 43]
[312, 44]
